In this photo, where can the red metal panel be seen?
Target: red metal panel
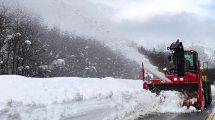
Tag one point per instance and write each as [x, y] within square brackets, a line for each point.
[143, 72]
[145, 86]
[201, 106]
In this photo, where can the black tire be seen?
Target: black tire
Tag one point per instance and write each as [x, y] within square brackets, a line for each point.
[209, 93]
[203, 98]
[205, 93]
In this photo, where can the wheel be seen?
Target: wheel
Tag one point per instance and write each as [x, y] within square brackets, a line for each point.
[209, 94]
[203, 102]
[205, 93]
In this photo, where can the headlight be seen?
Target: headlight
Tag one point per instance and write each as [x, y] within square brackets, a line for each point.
[181, 79]
[175, 79]
[165, 69]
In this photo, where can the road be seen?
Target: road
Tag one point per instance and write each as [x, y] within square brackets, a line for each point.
[183, 116]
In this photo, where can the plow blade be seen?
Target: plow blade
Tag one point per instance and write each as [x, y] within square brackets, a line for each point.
[172, 87]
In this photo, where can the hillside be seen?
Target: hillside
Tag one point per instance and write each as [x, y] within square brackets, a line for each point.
[31, 48]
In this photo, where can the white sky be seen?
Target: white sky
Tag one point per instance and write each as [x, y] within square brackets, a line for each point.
[122, 24]
[153, 22]
[144, 9]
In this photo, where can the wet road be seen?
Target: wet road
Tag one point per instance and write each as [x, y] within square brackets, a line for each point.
[182, 116]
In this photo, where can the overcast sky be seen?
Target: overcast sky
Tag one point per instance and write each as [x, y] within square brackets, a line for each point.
[146, 22]
[164, 20]
[141, 10]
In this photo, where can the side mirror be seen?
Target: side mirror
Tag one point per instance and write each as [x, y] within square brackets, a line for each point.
[169, 58]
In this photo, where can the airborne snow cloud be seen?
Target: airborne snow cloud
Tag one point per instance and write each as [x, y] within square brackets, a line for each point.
[123, 24]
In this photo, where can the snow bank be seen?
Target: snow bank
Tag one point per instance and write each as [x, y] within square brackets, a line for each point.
[71, 98]
[68, 98]
[58, 90]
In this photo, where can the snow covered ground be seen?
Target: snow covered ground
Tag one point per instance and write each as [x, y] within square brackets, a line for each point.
[72, 98]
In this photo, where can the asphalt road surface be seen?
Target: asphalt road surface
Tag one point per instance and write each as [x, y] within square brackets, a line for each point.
[207, 114]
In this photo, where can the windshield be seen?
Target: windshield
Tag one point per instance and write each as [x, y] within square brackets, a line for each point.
[189, 64]
[189, 57]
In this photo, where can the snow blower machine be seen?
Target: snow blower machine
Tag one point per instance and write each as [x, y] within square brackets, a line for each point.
[184, 74]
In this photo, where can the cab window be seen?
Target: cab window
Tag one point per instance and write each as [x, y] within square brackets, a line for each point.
[189, 61]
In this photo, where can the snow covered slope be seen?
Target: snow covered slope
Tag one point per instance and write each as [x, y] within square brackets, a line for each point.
[89, 20]
[72, 98]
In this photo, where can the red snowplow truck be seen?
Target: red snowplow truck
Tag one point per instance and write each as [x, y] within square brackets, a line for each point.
[184, 74]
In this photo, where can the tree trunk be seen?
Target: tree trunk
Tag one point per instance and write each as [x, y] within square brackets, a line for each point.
[17, 58]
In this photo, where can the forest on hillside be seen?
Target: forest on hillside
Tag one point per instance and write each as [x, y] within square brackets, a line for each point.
[30, 48]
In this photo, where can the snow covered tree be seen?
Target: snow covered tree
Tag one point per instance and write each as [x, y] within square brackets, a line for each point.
[16, 48]
[27, 47]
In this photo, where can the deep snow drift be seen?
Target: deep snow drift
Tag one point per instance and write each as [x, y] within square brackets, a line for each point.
[69, 98]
